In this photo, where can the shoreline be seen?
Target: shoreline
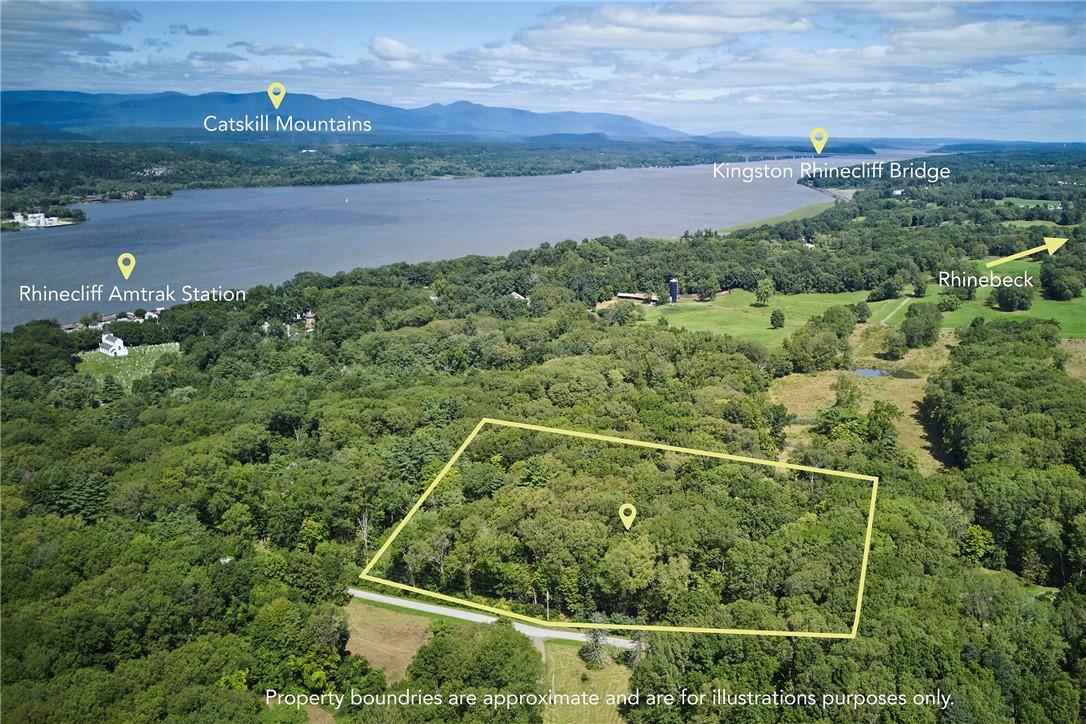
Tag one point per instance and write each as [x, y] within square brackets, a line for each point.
[60, 223]
[373, 234]
[725, 158]
[802, 212]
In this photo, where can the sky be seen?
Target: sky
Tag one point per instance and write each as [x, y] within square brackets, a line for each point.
[908, 69]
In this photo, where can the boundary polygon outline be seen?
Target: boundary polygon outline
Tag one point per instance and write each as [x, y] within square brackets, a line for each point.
[614, 626]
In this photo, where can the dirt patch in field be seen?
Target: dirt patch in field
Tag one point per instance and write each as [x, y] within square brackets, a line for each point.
[387, 639]
[316, 715]
[1076, 366]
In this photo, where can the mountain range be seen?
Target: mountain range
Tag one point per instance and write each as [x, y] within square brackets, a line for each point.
[44, 116]
[90, 114]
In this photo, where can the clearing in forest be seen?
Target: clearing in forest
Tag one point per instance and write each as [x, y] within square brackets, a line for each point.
[387, 639]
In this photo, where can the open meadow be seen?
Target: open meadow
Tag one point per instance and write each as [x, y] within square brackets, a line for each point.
[735, 313]
[136, 364]
[567, 672]
[386, 637]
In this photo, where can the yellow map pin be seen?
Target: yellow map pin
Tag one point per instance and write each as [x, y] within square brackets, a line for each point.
[627, 512]
[277, 92]
[126, 263]
[819, 136]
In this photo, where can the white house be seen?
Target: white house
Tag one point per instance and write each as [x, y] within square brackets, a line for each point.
[112, 346]
[35, 220]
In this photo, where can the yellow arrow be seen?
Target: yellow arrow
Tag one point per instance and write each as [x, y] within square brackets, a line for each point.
[1052, 244]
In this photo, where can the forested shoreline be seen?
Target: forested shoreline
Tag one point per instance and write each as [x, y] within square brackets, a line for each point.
[52, 176]
[174, 546]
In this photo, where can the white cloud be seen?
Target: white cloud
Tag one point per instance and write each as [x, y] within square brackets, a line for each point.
[990, 40]
[461, 85]
[401, 55]
[31, 29]
[186, 29]
[916, 14]
[210, 56]
[294, 49]
[669, 27]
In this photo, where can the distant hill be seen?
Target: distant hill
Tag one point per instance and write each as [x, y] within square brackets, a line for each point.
[997, 146]
[570, 138]
[38, 134]
[90, 113]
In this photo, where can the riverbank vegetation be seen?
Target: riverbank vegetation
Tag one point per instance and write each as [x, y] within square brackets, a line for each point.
[56, 175]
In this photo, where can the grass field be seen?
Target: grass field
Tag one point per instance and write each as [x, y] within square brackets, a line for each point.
[1023, 224]
[1018, 201]
[1040, 592]
[806, 395]
[137, 364]
[803, 212]
[734, 313]
[387, 638]
[568, 673]
[1070, 314]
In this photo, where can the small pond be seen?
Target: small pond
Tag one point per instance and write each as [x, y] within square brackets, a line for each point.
[871, 372]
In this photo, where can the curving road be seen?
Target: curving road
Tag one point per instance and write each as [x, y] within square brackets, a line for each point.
[535, 632]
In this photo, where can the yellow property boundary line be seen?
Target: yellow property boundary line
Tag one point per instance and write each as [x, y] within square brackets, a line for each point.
[851, 634]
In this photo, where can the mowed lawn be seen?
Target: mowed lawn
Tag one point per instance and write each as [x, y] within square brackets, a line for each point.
[1019, 201]
[138, 363]
[1070, 314]
[386, 638]
[1023, 224]
[735, 314]
[567, 672]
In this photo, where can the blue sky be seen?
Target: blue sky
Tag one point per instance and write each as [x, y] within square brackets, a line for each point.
[993, 70]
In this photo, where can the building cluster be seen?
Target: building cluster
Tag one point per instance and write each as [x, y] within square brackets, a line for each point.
[129, 195]
[35, 221]
[101, 322]
[645, 298]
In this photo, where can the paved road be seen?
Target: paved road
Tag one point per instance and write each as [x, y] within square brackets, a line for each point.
[535, 632]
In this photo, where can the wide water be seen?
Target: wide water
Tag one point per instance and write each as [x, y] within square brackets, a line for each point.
[238, 238]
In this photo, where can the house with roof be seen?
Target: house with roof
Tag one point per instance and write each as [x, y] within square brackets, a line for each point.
[35, 221]
[112, 346]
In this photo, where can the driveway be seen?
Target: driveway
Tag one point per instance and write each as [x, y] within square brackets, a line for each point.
[535, 632]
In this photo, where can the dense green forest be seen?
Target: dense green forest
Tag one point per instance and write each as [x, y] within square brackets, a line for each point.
[173, 548]
[530, 518]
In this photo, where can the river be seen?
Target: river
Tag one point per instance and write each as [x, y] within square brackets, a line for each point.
[238, 238]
